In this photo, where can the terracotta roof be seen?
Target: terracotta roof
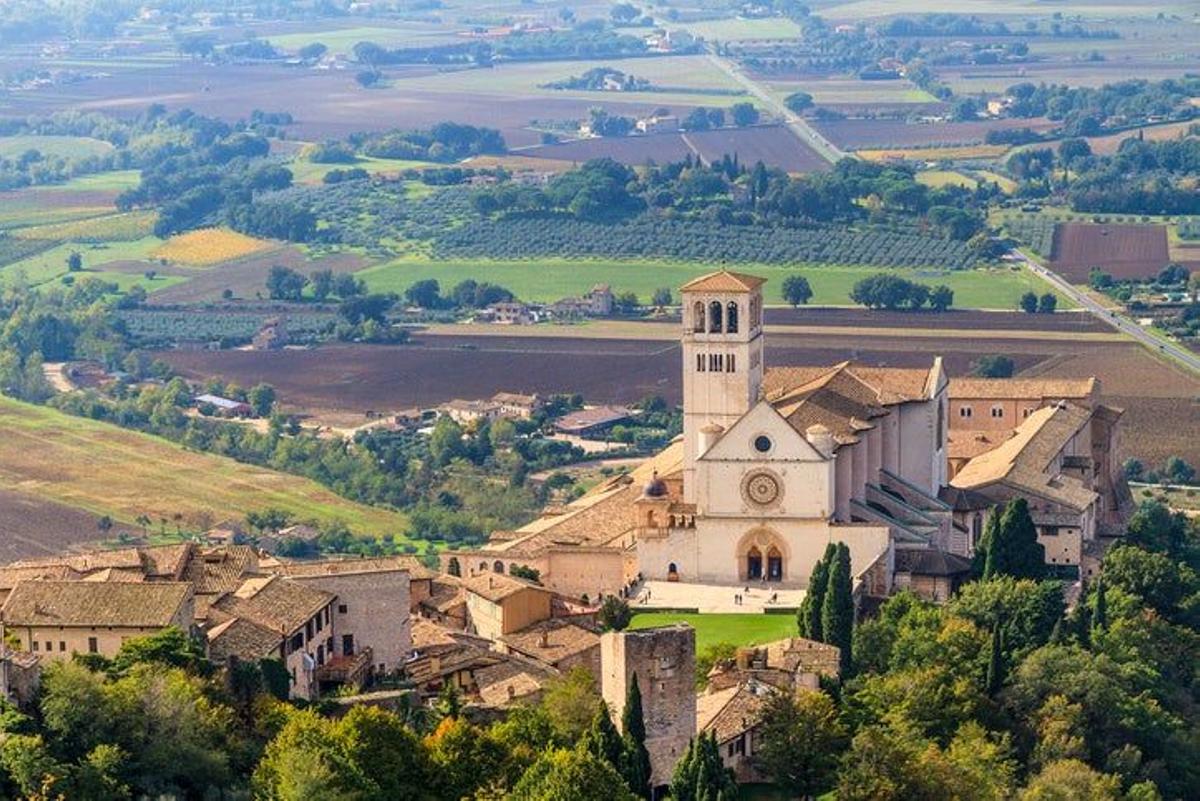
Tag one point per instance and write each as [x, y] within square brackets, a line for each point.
[274, 602]
[344, 567]
[446, 593]
[82, 603]
[723, 281]
[116, 574]
[1025, 461]
[215, 570]
[498, 586]
[10, 576]
[554, 640]
[838, 400]
[165, 560]
[242, 638]
[889, 385]
[799, 654]
[732, 711]
[510, 680]
[90, 560]
[964, 500]
[1048, 389]
[969, 443]
[931, 562]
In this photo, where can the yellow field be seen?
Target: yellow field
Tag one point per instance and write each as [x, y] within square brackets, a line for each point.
[935, 153]
[108, 228]
[939, 178]
[209, 246]
[1006, 184]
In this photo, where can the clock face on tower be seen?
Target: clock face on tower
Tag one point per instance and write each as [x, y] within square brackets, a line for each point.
[761, 488]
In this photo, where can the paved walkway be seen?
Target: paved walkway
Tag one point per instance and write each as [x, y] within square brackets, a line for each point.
[713, 598]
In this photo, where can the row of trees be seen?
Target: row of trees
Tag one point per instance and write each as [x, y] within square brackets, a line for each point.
[886, 291]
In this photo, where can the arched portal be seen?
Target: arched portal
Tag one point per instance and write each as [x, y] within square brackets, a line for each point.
[498, 566]
[762, 555]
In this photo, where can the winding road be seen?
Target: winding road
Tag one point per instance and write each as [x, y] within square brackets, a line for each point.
[1117, 320]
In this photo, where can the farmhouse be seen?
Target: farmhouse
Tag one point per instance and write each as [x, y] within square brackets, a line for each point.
[472, 411]
[592, 422]
[514, 404]
[773, 464]
[225, 407]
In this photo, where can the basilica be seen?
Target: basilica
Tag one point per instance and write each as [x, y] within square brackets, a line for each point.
[774, 463]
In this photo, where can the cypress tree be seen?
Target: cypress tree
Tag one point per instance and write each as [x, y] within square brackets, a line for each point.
[837, 607]
[1014, 549]
[979, 563]
[809, 616]
[1100, 615]
[701, 775]
[602, 740]
[636, 759]
[995, 667]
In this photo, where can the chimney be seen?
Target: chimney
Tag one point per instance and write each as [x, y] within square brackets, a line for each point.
[543, 639]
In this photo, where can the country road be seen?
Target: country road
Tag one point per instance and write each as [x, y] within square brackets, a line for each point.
[795, 123]
[1119, 321]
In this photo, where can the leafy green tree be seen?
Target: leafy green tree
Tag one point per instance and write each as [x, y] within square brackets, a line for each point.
[466, 758]
[1025, 610]
[602, 740]
[1156, 528]
[1029, 303]
[1047, 303]
[798, 102]
[796, 290]
[261, 398]
[1071, 780]
[993, 367]
[661, 297]
[700, 775]
[800, 742]
[1100, 607]
[809, 616]
[321, 282]
[941, 298]
[636, 761]
[570, 702]
[837, 608]
[614, 614]
[425, 294]
[284, 283]
[1159, 582]
[74, 262]
[1013, 549]
[743, 114]
[995, 668]
[561, 775]
[171, 647]
[446, 441]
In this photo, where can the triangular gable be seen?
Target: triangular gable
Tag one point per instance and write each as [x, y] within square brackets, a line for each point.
[737, 444]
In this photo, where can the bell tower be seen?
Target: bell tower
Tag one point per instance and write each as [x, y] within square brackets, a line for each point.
[722, 359]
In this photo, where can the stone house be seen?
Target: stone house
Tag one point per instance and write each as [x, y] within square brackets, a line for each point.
[499, 604]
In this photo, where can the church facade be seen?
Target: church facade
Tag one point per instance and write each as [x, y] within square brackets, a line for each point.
[777, 464]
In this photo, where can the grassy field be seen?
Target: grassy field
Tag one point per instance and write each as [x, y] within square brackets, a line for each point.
[551, 279]
[853, 90]
[69, 147]
[342, 40]
[120, 227]
[109, 470]
[712, 629]
[307, 172]
[52, 264]
[115, 181]
[738, 30]
[939, 178]
[527, 79]
[936, 153]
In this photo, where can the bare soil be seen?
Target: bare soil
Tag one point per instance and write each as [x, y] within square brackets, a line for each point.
[247, 277]
[856, 134]
[31, 526]
[1123, 251]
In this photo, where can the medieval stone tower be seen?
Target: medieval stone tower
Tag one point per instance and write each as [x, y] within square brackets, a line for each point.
[722, 358]
[664, 661]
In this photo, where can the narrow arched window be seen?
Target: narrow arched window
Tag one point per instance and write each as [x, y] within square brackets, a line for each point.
[498, 566]
[698, 317]
[714, 317]
[731, 318]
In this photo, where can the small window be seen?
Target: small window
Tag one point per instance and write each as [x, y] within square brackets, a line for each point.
[49, 646]
[762, 443]
[997, 411]
[731, 318]
[35, 645]
[341, 609]
[729, 364]
[320, 623]
[964, 411]
[62, 646]
[1027, 412]
[714, 317]
[93, 646]
[699, 362]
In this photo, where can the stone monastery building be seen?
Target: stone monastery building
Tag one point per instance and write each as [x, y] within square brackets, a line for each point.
[774, 464]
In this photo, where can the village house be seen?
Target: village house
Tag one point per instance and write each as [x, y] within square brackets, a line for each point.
[372, 613]
[300, 617]
[56, 619]
[562, 643]
[791, 664]
[598, 302]
[517, 406]
[510, 312]
[498, 604]
[465, 412]
[734, 715]
[666, 124]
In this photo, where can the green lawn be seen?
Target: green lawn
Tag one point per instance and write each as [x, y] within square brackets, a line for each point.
[115, 181]
[307, 172]
[71, 147]
[51, 264]
[342, 40]
[748, 629]
[551, 279]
